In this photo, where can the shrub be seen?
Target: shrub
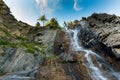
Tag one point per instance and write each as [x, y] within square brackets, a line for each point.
[43, 19]
[37, 24]
[53, 24]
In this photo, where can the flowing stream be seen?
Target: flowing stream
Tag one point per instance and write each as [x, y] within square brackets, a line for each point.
[95, 72]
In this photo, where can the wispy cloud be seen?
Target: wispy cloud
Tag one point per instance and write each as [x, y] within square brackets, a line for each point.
[76, 5]
[48, 6]
[22, 12]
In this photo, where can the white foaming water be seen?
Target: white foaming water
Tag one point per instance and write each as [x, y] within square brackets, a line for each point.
[75, 40]
[96, 73]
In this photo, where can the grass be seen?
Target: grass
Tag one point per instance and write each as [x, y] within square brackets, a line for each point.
[14, 41]
[23, 38]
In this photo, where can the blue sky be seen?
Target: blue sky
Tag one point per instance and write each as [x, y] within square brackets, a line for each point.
[64, 10]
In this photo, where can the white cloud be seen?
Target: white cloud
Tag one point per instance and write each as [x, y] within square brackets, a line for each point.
[23, 12]
[114, 8]
[43, 7]
[48, 6]
[76, 6]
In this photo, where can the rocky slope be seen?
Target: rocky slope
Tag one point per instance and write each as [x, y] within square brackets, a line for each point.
[76, 62]
[21, 46]
[69, 64]
[8, 21]
[31, 53]
[107, 27]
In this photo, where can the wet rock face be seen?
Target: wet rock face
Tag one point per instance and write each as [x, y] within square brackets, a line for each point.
[73, 64]
[87, 37]
[70, 64]
[90, 40]
[107, 27]
[63, 47]
[61, 43]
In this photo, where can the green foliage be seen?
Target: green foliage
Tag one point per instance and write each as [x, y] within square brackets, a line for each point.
[70, 25]
[21, 42]
[37, 24]
[43, 19]
[31, 48]
[53, 24]
[23, 38]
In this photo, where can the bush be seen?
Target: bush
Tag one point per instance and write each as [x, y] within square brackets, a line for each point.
[37, 24]
[53, 24]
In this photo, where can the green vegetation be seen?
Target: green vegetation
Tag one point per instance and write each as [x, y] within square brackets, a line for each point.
[71, 25]
[37, 24]
[15, 41]
[53, 24]
[22, 38]
[43, 19]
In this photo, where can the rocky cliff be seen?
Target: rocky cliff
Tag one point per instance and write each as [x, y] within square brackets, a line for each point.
[22, 47]
[107, 27]
[100, 32]
[89, 52]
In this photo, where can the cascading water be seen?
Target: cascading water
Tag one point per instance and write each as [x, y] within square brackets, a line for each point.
[96, 73]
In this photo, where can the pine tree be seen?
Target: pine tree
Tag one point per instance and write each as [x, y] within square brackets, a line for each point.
[43, 19]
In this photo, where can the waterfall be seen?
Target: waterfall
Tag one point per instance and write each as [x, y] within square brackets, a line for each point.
[95, 72]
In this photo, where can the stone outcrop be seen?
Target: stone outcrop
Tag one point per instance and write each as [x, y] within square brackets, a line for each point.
[72, 64]
[59, 61]
[15, 62]
[90, 40]
[22, 64]
[68, 66]
[107, 27]
[8, 21]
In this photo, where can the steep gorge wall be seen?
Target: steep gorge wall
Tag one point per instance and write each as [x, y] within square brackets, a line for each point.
[70, 65]
[107, 27]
